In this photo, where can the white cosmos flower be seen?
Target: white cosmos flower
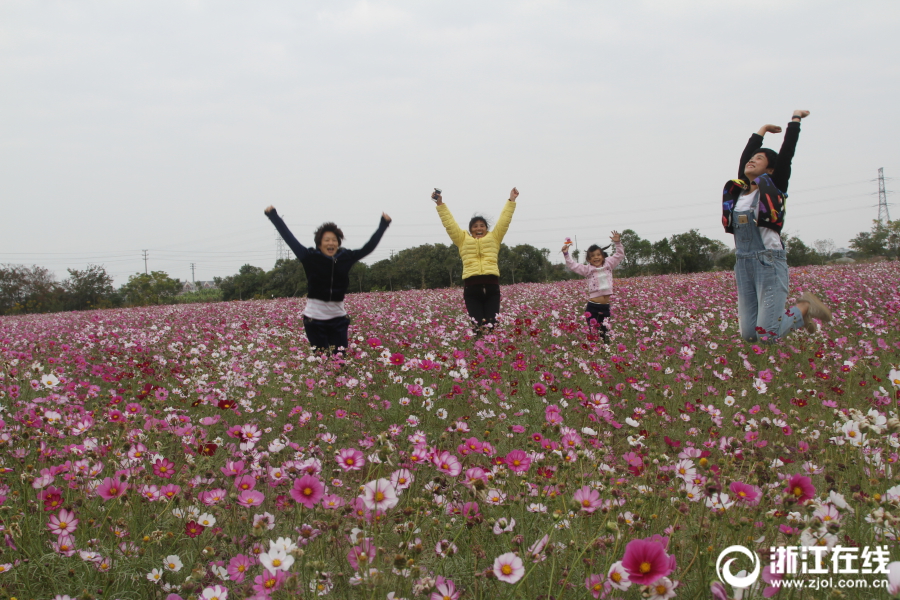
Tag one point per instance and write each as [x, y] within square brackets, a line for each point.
[172, 563]
[379, 495]
[276, 560]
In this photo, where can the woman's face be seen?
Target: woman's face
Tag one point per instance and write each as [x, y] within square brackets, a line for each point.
[330, 244]
[479, 229]
[596, 258]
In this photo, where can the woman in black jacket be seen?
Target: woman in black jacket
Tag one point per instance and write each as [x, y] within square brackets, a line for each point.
[328, 277]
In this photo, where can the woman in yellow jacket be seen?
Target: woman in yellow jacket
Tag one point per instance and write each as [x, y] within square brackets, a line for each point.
[479, 250]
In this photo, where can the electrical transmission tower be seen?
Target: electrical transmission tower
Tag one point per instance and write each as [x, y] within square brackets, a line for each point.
[883, 214]
[193, 279]
[281, 249]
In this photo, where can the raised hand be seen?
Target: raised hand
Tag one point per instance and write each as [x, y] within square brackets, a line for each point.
[565, 247]
[269, 209]
[438, 199]
[769, 129]
[513, 194]
[616, 237]
[800, 114]
[386, 217]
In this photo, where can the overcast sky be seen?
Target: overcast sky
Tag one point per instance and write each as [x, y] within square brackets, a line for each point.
[170, 126]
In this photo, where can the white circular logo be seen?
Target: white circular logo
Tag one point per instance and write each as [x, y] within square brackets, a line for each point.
[724, 570]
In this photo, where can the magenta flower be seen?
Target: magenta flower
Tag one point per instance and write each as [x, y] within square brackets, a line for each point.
[588, 498]
[269, 582]
[800, 488]
[362, 554]
[517, 461]
[351, 459]
[447, 463]
[163, 467]
[748, 494]
[645, 561]
[245, 482]
[238, 567]
[62, 523]
[307, 490]
[250, 498]
[111, 488]
[594, 584]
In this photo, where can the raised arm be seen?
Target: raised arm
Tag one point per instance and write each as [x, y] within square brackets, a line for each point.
[583, 270]
[373, 241]
[619, 253]
[506, 214]
[782, 175]
[300, 251]
[753, 145]
[456, 233]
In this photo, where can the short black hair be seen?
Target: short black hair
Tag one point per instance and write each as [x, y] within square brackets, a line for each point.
[326, 227]
[593, 248]
[477, 218]
[771, 156]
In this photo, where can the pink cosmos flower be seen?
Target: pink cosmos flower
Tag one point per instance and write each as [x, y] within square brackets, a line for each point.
[447, 463]
[245, 482]
[800, 488]
[748, 494]
[351, 459]
[362, 554]
[269, 582]
[163, 467]
[233, 468]
[211, 497]
[517, 461]
[594, 584]
[646, 561]
[588, 498]
[250, 498]
[307, 490]
[445, 590]
[169, 491]
[332, 502]
[509, 568]
[111, 488]
[238, 567]
[62, 523]
[214, 592]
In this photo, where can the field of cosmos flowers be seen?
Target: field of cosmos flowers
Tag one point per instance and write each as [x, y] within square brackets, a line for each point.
[202, 451]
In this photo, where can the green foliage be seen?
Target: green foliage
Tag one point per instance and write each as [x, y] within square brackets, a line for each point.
[145, 289]
[28, 290]
[286, 280]
[882, 240]
[89, 288]
[798, 253]
[249, 283]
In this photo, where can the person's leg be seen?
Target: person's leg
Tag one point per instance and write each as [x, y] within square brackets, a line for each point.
[772, 279]
[316, 333]
[603, 314]
[473, 295]
[337, 333]
[491, 305]
[748, 300]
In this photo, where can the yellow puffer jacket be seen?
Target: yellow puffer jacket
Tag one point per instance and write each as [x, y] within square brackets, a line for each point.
[479, 256]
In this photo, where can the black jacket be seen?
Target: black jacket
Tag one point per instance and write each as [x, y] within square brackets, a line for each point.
[772, 188]
[328, 277]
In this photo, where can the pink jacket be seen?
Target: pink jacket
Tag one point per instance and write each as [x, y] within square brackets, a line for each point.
[599, 280]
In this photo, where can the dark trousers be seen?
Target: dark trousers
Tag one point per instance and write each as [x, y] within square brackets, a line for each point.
[323, 335]
[596, 314]
[482, 302]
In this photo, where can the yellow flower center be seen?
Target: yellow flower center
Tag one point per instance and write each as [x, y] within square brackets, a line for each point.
[379, 496]
[506, 570]
[276, 563]
[645, 567]
[307, 491]
[616, 576]
[660, 589]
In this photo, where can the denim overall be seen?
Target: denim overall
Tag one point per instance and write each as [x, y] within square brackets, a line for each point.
[762, 282]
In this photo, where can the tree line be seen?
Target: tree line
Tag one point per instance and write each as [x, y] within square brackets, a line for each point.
[35, 289]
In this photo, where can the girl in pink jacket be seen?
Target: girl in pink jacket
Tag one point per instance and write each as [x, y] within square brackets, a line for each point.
[598, 274]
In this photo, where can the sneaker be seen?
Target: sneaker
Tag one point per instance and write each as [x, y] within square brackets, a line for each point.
[817, 310]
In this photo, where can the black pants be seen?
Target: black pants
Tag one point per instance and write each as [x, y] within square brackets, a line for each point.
[323, 335]
[596, 314]
[482, 302]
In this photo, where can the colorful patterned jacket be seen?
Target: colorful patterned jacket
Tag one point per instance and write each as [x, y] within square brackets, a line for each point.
[771, 203]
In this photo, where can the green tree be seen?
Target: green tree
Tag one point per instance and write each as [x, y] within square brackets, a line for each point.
[798, 253]
[882, 240]
[662, 257]
[250, 282]
[89, 288]
[693, 252]
[287, 279]
[143, 289]
[638, 255]
[29, 290]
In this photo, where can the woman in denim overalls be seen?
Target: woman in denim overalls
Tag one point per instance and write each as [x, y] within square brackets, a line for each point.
[761, 270]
